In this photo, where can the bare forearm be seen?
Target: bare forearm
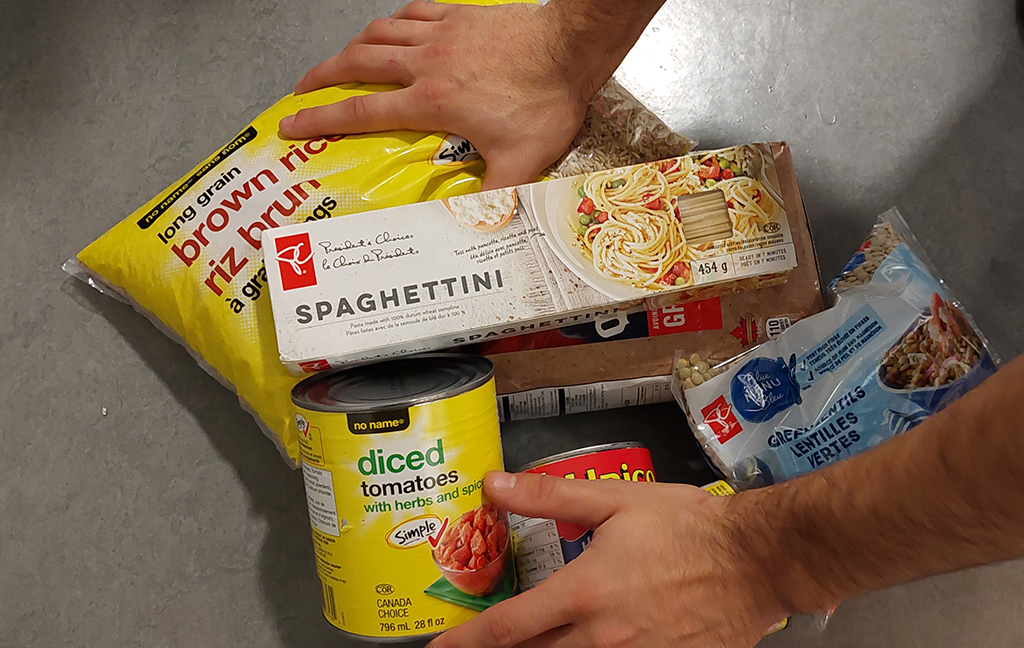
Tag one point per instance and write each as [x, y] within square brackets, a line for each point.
[595, 35]
[942, 497]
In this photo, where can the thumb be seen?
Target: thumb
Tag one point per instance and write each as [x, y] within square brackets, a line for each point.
[583, 502]
[509, 169]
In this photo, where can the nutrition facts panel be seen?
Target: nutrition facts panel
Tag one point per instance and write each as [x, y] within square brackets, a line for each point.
[593, 397]
[323, 508]
[538, 550]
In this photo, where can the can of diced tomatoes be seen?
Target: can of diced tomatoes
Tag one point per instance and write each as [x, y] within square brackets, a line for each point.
[542, 547]
[394, 456]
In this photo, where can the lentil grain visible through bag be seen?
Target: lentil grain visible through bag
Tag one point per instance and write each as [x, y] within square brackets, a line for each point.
[190, 258]
[893, 349]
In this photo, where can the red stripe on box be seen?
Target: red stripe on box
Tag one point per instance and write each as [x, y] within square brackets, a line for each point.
[705, 315]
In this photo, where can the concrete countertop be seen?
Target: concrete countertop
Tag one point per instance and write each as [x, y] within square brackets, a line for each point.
[139, 505]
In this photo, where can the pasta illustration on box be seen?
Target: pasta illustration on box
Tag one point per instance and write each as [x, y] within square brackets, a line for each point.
[512, 261]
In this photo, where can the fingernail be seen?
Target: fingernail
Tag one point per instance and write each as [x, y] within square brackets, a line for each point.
[287, 122]
[502, 482]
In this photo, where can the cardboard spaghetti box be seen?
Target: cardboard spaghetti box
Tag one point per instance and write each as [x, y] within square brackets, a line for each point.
[625, 358]
[433, 275]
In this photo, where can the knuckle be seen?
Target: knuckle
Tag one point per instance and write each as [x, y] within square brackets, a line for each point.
[501, 631]
[431, 96]
[381, 28]
[355, 109]
[586, 598]
[547, 487]
[304, 119]
[436, 52]
[378, 27]
[358, 53]
[613, 635]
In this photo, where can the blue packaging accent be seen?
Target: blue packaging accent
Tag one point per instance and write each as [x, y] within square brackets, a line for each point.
[571, 549]
[890, 353]
[765, 387]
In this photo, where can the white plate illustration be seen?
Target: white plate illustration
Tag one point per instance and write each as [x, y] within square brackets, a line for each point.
[555, 202]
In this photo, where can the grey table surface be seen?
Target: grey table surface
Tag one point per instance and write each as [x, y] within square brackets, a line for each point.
[139, 505]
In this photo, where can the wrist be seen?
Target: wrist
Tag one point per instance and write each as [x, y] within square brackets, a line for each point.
[590, 38]
[764, 525]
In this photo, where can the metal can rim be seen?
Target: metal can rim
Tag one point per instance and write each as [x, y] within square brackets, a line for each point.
[299, 393]
[581, 452]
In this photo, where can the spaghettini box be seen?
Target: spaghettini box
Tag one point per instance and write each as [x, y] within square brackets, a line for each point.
[625, 359]
[513, 261]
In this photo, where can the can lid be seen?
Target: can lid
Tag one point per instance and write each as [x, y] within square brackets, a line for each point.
[580, 452]
[396, 383]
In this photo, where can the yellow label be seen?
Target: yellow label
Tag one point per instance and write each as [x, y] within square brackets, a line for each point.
[405, 542]
[191, 257]
[719, 488]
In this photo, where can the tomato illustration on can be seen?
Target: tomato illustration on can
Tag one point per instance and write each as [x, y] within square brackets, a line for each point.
[394, 456]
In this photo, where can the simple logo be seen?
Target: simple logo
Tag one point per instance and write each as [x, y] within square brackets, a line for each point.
[455, 149]
[771, 228]
[314, 366]
[295, 261]
[719, 417]
[384, 589]
[417, 531]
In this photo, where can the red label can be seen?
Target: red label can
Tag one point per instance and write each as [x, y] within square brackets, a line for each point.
[542, 547]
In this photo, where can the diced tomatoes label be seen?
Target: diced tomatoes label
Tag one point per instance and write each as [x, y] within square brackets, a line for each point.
[705, 315]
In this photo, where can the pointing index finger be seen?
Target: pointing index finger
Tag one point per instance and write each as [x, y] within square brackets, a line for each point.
[587, 503]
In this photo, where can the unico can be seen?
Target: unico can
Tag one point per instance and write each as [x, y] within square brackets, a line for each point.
[394, 457]
[542, 547]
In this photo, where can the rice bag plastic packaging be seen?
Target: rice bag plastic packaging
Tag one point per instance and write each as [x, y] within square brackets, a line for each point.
[894, 349]
[190, 258]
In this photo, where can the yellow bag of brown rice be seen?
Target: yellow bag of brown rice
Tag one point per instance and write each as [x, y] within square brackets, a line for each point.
[190, 258]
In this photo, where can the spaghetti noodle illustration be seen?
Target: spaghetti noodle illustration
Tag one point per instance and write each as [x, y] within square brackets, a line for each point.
[643, 225]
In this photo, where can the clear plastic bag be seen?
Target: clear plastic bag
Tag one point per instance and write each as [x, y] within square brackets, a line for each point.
[893, 349]
[618, 131]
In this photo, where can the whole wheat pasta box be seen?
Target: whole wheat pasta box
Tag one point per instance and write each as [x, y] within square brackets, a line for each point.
[512, 261]
[626, 358]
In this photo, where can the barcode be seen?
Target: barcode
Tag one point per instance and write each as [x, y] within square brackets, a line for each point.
[330, 607]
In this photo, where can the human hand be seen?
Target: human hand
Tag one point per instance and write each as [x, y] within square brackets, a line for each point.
[665, 569]
[507, 78]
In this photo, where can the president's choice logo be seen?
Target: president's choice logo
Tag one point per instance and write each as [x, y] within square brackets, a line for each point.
[314, 366]
[719, 417]
[295, 261]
